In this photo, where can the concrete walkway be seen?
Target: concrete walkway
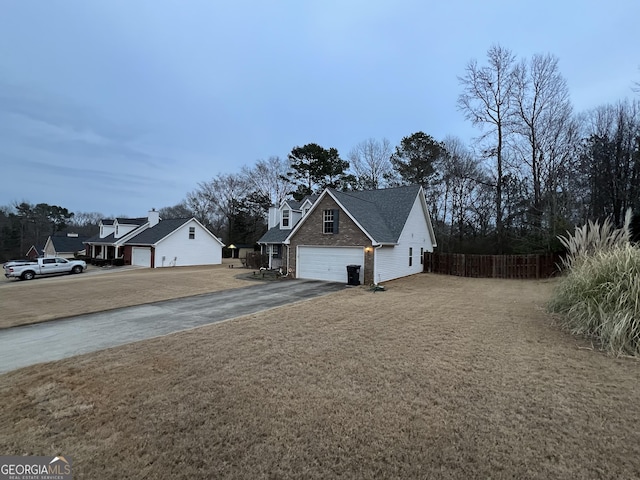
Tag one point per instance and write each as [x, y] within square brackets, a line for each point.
[44, 342]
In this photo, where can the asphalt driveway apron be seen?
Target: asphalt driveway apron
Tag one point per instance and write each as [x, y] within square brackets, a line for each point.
[44, 342]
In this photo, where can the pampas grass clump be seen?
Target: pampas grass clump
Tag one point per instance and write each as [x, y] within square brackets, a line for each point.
[600, 294]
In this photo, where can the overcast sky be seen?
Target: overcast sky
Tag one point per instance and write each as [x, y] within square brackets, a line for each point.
[120, 106]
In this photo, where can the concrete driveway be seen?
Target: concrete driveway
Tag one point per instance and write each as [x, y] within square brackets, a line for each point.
[45, 342]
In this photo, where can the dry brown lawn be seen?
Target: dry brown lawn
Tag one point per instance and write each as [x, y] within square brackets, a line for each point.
[42, 299]
[438, 377]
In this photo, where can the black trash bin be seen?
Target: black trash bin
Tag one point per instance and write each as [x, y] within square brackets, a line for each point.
[353, 274]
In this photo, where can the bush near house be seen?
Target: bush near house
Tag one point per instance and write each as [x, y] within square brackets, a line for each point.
[600, 294]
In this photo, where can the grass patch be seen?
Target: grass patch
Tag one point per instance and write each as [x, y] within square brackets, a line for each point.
[439, 377]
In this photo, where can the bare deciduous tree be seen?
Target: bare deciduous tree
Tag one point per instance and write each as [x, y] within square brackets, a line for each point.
[269, 179]
[462, 175]
[369, 161]
[487, 101]
[611, 160]
[542, 122]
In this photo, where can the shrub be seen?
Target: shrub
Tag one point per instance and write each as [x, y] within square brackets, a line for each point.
[600, 294]
[593, 237]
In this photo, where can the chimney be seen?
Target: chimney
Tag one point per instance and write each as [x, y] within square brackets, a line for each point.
[154, 217]
[273, 217]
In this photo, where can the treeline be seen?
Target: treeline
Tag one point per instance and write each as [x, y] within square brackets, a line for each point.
[536, 170]
[23, 225]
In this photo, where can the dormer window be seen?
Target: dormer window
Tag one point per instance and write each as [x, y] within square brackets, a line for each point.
[285, 218]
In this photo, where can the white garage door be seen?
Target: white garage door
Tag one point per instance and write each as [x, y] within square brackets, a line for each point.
[141, 256]
[329, 263]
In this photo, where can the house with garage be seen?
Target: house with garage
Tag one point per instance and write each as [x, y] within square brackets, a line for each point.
[386, 232]
[281, 222]
[65, 245]
[153, 242]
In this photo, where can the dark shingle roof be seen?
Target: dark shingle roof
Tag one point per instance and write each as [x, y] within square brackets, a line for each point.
[157, 232]
[293, 204]
[382, 213]
[125, 221]
[274, 235]
[132, 221]
[68, 244]
[96, 239]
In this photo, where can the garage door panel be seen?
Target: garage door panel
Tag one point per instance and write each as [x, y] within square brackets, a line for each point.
[141, 257]
[328, 263]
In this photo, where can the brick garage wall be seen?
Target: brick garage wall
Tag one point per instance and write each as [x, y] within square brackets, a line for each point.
[349, 235]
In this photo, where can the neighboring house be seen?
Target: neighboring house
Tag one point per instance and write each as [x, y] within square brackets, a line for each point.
[385, 231]
[65, 246]
[281, 221]
[34, 252]
[152, 242]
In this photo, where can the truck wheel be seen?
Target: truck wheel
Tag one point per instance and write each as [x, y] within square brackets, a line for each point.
[28, 275]
[76, 269]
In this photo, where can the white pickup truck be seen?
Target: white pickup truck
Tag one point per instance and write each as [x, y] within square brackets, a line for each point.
[43, 266]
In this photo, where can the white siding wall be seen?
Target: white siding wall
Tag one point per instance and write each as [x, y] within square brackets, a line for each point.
[202, 250]
[393, 261]
[106, 230]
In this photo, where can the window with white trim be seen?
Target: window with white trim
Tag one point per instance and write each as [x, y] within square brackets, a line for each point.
[285, 218]
[330, 221]
[192, 233]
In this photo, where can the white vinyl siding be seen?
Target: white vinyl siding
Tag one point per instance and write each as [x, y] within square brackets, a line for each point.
[391, 261]
[178, 249]
[328, 263]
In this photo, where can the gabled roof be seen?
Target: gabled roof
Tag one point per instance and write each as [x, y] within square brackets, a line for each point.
[68, 244]
[381, 214]
[39, 251]
[275, 235]
[309, 198]
[163, 229]
[153, 235]
[295, 205]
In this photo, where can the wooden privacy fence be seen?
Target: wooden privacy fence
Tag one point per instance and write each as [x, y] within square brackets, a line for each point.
[492, 266]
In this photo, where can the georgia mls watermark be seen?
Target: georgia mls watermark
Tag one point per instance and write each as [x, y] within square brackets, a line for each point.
[35, 468]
